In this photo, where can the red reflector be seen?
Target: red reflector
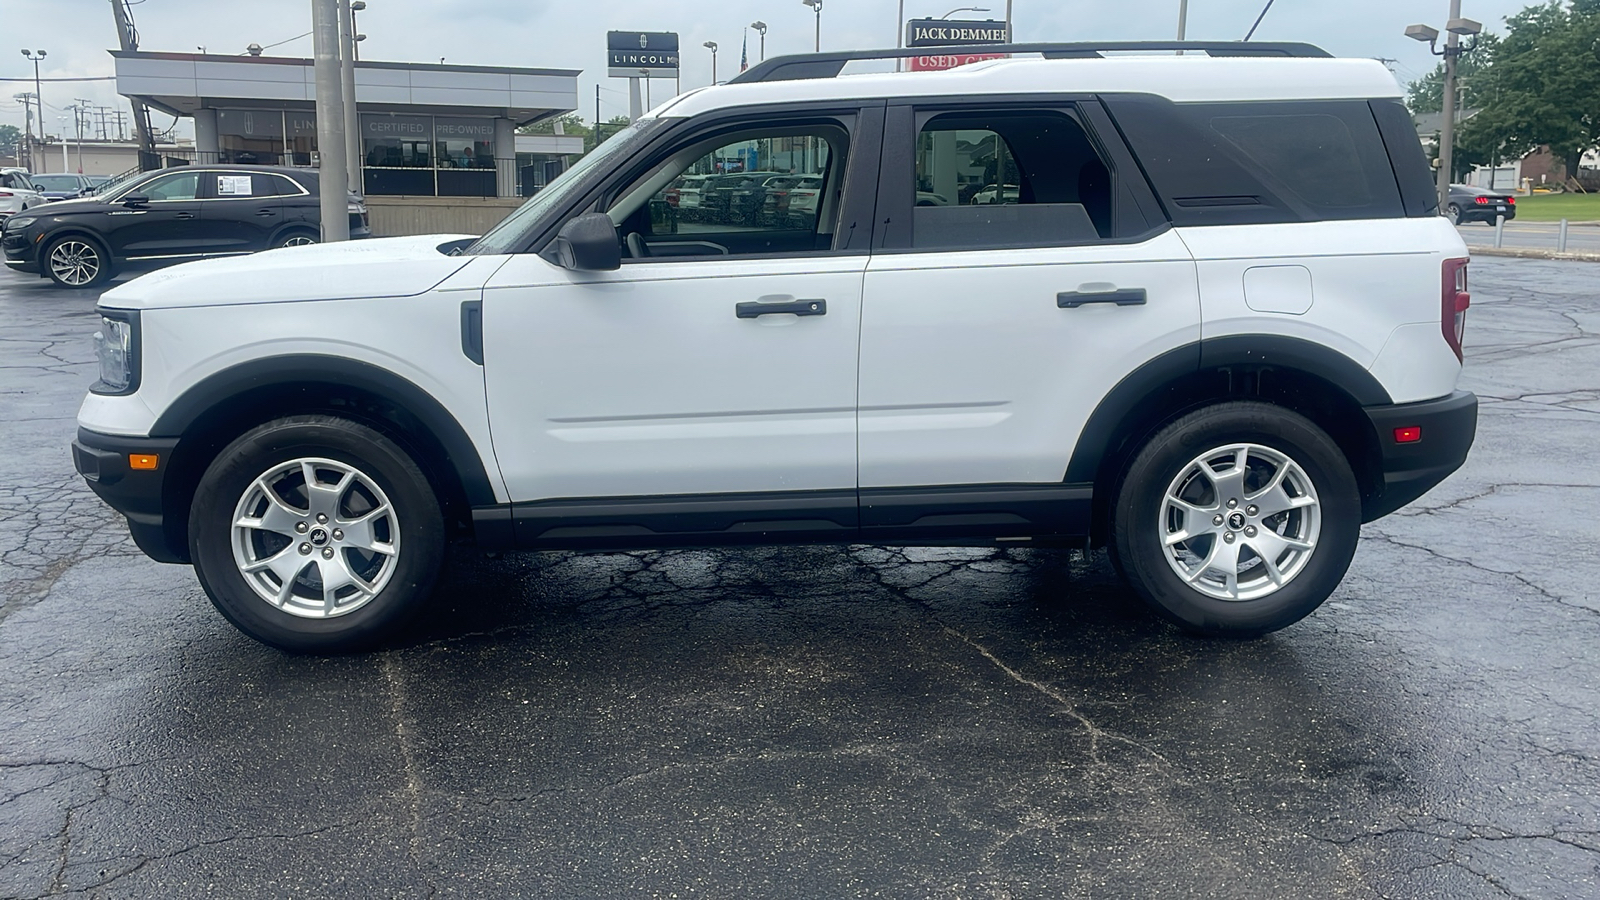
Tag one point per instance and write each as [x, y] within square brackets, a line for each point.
[1408, 435]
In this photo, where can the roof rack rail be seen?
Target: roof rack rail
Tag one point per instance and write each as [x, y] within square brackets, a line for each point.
[828, 65]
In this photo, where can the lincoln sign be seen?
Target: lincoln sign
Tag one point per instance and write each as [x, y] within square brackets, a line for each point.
[936, 33]
[642, 54]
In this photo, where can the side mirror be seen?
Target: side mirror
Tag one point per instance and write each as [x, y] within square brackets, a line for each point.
[135, 200]
[588, 243]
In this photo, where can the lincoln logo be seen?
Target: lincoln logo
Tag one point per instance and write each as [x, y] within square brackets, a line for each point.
[644, 41]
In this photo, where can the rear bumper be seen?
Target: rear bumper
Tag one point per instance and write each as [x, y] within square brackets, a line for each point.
[1448, 426]
[102, 460]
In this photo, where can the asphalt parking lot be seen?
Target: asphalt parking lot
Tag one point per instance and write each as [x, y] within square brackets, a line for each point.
[820, 722]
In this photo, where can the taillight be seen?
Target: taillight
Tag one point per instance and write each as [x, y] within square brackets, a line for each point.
[1482, 201]
[6, 194]
[1454, 301]
[1512, 201]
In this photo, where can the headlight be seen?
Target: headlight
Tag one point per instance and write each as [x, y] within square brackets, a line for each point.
[17, 223]
[116, 346]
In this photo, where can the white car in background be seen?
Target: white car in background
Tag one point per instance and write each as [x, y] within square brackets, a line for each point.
[17, 192]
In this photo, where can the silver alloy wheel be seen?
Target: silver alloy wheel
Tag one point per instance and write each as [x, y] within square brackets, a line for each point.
[1239, 522]
[75, 262]
[315, 538]
[299, 240]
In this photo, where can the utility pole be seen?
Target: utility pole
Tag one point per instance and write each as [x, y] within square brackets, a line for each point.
[347, 83]
[1455, 28]
[333, 174]
[141, 115]
[27, 126]
[80, 111]
[1183, 20]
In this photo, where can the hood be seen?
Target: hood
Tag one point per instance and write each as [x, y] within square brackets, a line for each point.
[379, 267]
[79, 204]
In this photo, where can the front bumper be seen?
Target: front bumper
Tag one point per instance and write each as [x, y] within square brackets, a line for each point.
[103, 461]
[1410, 470]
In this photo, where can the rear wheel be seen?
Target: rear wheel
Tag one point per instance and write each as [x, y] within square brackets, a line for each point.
[1237, 519]
[316, 534]
[77, 261]
[296, 239]
[1455, 214]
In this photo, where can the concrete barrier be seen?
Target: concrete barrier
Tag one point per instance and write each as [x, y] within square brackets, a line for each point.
[399, 216]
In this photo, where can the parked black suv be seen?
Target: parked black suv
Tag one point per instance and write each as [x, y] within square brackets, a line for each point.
[171, 215]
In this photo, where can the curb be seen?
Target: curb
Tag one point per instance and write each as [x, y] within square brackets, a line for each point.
[1523, 253]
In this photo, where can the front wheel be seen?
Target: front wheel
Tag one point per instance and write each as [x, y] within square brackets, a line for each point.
[1236, 520]
[316, 534]
[77, 261]
[296, 239]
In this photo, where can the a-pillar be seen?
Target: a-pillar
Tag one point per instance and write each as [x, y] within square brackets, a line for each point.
[207, 149]
[505, 159]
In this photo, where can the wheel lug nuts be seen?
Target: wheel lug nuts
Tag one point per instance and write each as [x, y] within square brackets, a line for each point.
[322, 519]
[1250, 531]
[327, 553]
[305, 549]
[301, 527]
[1232, 503]
[1250, 510]
[338, 535]
[1216, 520]
[1228, 537]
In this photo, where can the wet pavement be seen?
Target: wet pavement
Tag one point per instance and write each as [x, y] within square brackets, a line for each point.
[822, 722]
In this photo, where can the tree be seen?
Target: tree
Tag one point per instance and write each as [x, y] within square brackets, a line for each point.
[10, 139]
[574, 124]
[1543, 85]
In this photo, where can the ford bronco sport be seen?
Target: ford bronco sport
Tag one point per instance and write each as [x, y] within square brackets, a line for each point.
[1199, 309]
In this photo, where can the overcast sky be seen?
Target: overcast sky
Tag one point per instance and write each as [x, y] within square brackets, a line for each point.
[571, 34]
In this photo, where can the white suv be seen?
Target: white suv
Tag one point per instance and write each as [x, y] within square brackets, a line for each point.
[17, 192]
[1215, 327]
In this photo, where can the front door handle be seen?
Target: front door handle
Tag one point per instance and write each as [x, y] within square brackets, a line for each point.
[790, 307]
[1124, 297]
[266, 212]
[184, 215]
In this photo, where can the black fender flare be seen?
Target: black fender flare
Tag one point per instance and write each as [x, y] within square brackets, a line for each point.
[1252, 350]
[315, 368]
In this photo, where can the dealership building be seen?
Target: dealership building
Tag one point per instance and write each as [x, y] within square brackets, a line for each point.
[425, 130]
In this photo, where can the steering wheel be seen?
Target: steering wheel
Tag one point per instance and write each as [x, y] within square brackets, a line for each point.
[637, 248]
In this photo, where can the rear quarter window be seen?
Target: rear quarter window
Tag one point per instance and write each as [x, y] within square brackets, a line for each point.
[1261, 162]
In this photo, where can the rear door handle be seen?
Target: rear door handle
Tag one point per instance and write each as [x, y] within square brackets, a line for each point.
[184, 215]
[1124, 297]
[791, 307]
[266, 212]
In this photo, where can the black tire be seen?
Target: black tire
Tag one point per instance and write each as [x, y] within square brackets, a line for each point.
[295, 238]
[1138, 526]
[1455, 214]
[419, 541]
[81, 247]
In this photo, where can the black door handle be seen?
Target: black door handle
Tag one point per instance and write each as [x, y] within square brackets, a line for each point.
[1126, 297]
[266, 212]
[185, 215]
[792, 307]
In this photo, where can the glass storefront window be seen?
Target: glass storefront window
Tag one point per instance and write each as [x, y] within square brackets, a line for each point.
[464, 143]
[397, 142]
[250, 136]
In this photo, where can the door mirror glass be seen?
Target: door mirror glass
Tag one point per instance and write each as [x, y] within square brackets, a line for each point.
[588, 243]
[135, 200]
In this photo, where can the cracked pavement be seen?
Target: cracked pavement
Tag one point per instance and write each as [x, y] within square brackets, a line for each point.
[828, 722]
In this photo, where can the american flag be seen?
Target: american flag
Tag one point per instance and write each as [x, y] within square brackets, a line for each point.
[744, 53]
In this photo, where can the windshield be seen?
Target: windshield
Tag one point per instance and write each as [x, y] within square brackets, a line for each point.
[56, 182]
[515, 228]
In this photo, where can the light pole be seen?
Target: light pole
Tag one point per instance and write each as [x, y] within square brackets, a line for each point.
[963, 9]
[1457, 28]
[38, 100]
[712, 46]
[355, 7]
[761, 29]
[816, 6]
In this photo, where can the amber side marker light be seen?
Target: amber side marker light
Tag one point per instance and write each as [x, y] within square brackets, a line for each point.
[1408, 435]
[145, 461]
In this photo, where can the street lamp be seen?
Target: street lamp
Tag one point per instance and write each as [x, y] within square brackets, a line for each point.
[1457, 28]
[816, 6]
[963, 9]
[761, 28]
[38, 100]
[355, 7]
[712, 46]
